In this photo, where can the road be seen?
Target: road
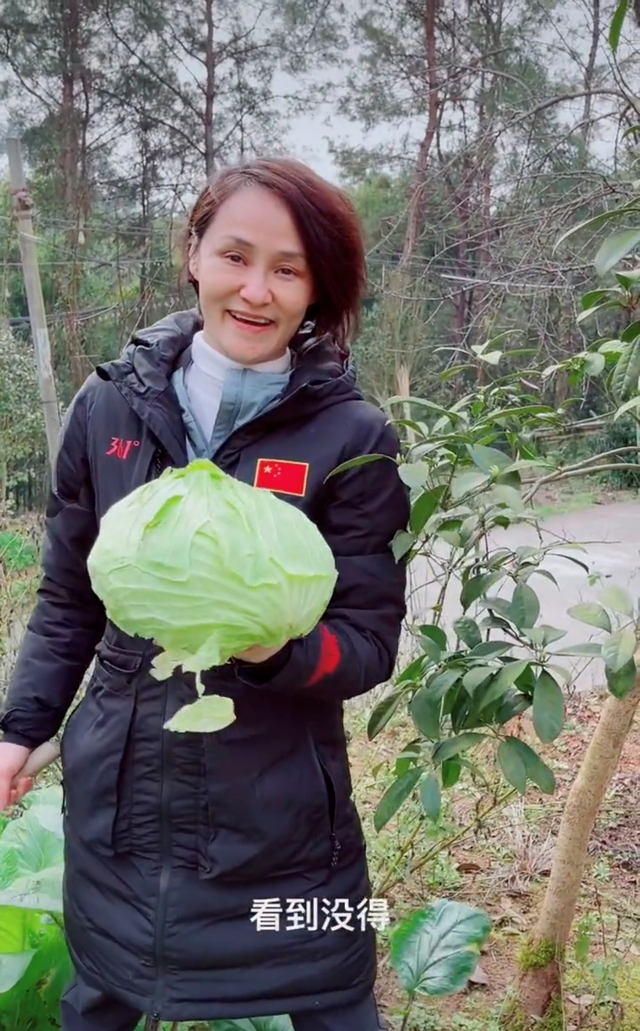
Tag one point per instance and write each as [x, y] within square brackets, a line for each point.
[610, 537]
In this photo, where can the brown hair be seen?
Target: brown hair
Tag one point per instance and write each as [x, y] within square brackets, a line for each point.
[329, 228]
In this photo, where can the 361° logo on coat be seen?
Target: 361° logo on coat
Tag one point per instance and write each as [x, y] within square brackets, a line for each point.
[120, 448]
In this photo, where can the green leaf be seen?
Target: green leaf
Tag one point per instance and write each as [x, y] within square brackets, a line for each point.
[618, 649]
[12, 968]
[614, 249]
[382, 713]
[491, 649]
[501, 682]
[628, 406]
[354, 463]
[591, 614]
[632, 332]
[402, 543]
[476, 586]
[622, 681]
[476, 676]
[468, 632]
[596, 221]
[512, 765]
[590, 648]
[592, 298]
[430, 797]
[525, 607]
[450, 772]
[467, 481]
[624, 381]
[488, 459]
[548, 708]
[207, 715]
[617, 599]
[31, 866]
[537, 771]
[456, 745]
[615, 28]
[514, 703]
[426, 713]
[423, 508]
[394, 796]
[434, 951]
[594, 364]
[414, 474]
[436, 634]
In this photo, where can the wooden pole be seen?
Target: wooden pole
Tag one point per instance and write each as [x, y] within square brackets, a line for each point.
[37, 315]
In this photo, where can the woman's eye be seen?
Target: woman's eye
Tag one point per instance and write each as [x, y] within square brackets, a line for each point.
[235, 258]
[288, 271]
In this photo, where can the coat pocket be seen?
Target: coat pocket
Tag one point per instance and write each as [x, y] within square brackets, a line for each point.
[271, 807]
[94, 751]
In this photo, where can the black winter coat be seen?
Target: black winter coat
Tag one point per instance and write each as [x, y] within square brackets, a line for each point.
[170, 838]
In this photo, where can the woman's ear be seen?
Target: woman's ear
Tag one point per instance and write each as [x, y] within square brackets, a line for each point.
[193, 253]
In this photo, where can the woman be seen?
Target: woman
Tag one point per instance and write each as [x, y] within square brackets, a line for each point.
[173, 840]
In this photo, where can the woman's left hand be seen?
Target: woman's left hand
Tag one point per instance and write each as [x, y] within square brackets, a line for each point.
[259, 654]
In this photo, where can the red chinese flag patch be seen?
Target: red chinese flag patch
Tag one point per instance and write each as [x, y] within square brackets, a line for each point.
[283, 477]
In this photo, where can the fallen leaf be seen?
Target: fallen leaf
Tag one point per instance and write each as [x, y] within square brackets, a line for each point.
[479, 976]
[468, 868]
[583, 1001]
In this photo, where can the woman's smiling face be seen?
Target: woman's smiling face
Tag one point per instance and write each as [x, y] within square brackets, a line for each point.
[253, 275]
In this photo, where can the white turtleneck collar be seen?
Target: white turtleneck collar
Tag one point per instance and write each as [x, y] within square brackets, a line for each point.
[205, 377]
[213, 363]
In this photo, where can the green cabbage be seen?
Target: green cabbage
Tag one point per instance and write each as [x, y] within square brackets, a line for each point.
[207, 566]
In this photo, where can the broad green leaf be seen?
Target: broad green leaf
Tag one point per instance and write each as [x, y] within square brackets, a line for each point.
[423, 508]
[31, 864]
[491, 649]
[430, 797]
[614, 249]
[622, 681]
[382, 713]
[512, 765]
[488, 459]
[456, 745]
[436, 634]
[591, 614]
[514, 704]
[632, 332]
[476, 586]
[589, 648]
[468, 632]
[394, 796]
[594, 364]
[402, 544]
[617, 599]
[596, 221]
[414, 474]
[12, 968]
[525, 607]
[543, 636]
[628, 406]
[426, 712]
[548, 708]
[624, 380]
[593, 297]
[354, 463]
[618, 649]
[501, 682]
[450, 772]
[208, 714]
[537, 770]
[430, 648]
[476, 676]
[434, 951]
[34, 1002]
[615, 27]
[467, 481]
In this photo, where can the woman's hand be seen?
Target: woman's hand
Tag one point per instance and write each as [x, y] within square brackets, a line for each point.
[259, 654]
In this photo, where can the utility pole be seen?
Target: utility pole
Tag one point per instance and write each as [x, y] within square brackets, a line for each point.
[37, 315]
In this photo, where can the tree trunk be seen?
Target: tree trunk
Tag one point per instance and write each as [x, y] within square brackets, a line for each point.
[540, 984]
[416, 203]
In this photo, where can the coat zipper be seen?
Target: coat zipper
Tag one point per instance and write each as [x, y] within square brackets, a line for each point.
[165, 874]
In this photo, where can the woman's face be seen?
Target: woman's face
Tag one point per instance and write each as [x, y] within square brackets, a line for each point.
[254, 280]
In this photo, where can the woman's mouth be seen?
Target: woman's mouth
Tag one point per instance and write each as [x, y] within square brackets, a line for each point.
[252, 323]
